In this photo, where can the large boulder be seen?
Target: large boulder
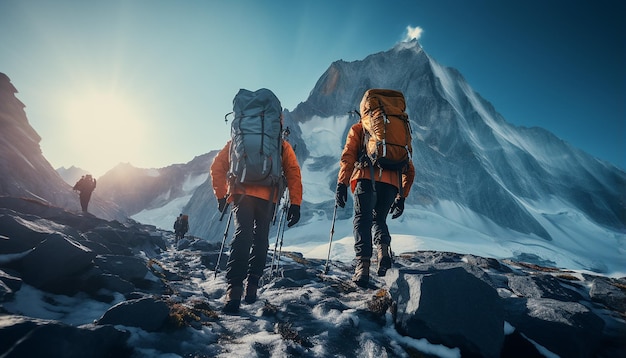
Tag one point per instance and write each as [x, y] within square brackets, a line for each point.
[18, 234]
[146, 313]
[608, 293]
[130, 268]
[450, 307]
[31, 337]
[55, 263]
[568, 329]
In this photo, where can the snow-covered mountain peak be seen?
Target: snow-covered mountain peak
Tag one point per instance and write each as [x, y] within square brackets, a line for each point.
[408, 45]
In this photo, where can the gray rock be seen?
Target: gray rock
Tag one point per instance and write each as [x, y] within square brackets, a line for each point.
[55, 264]
[450, 307]
[147, 313]
[12, 282]
[8, 285]
[542, 286]
[129, 268]
[30, 337]
[568, 329]
[609, 295]
[16, 235]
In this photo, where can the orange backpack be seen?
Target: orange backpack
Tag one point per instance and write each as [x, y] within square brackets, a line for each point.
[387, 129]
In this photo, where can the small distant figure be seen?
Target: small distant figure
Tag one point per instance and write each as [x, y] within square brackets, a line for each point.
[85, 186]
[181, 226]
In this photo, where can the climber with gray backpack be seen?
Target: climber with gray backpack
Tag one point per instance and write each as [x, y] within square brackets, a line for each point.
[251, 172]
[376, 162]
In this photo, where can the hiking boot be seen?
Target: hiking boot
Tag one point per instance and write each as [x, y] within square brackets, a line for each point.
[251, 294]
[231, 307]
[384, 260]
[362, 272]
[252, 285]
[233, 299]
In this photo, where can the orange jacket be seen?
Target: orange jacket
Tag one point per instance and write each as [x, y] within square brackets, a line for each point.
[349, 171]
[222, 188]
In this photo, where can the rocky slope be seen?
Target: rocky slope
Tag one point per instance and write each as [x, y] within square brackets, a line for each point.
[74, 286]
[25, 171]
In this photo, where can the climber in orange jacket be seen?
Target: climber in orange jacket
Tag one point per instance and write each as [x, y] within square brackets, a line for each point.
[249, 246]
[370, 208]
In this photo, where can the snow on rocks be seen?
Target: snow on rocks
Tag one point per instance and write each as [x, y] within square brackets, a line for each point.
[140, 296]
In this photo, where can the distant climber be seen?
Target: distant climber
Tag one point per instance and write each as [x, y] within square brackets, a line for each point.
[85, 186]
[181, 226]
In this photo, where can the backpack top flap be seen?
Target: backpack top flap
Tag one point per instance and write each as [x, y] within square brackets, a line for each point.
[376, 101]
[256, 137]
[248, 103]
[386, 123]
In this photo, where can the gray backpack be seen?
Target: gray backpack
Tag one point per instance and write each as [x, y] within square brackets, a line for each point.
[256, 142]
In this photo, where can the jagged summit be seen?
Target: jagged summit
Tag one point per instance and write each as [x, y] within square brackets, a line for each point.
[412, 44]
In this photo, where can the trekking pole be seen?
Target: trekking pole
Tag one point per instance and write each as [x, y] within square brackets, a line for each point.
[281, 233]
[219, 257]
[281, 226]
[280, 223]
[332, 231]
[224, 211]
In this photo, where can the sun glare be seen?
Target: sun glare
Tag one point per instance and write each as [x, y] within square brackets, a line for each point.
[105, 128]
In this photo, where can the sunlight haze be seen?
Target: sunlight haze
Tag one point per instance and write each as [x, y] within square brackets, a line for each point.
[103, 127]
[148, 82]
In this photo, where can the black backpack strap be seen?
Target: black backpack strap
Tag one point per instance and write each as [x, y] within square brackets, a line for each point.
[400, 190]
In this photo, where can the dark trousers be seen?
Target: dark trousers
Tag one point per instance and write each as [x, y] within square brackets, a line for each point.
[84, 196]
[248, 249]
[370, 215]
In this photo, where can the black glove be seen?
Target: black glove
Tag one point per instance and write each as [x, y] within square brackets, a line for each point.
[221, 204]
[293, 215]
[341, 195]
[397, 208]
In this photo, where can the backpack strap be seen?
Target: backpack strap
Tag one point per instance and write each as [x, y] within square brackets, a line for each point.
[364, 160]
[262, 132]
[280, 184]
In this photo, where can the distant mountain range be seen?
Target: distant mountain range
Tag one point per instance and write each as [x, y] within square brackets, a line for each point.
[72, 174]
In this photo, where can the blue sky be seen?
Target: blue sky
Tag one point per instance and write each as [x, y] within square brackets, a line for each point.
[148, 82]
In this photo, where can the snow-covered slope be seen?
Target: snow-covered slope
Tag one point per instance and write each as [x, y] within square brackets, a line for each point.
[155, 196]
